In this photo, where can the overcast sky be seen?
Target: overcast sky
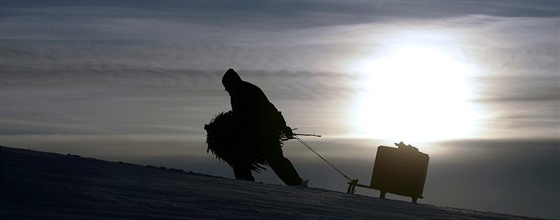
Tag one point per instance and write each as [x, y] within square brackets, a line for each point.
[511, 46]
[117, 78]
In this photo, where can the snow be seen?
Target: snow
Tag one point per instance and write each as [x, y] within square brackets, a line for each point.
[39, 185]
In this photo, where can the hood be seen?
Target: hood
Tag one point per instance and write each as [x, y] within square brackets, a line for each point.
[231, 78]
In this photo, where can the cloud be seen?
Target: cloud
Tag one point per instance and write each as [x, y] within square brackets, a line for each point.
[180, 19]
[173, 54]
[306, 71]
[272, 35]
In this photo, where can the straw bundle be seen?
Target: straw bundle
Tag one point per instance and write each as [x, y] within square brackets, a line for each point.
[234, 142]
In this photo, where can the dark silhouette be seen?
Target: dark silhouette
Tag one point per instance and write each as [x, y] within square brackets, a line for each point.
[233, 144]
[400, 171]
[250, 135]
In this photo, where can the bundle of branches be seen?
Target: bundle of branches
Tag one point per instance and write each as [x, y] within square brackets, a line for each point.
[234, 142]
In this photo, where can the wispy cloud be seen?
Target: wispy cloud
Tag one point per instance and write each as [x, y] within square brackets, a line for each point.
[65, 52]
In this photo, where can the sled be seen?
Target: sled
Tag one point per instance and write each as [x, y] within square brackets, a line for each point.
[401, 171]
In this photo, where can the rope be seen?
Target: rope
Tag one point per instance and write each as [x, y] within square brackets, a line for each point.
[309, 147]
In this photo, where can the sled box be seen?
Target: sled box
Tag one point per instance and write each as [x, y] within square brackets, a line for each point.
[400, 171]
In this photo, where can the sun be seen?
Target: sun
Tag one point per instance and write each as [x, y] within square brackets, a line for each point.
[414, 93]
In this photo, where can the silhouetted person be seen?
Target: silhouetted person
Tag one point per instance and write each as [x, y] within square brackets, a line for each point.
[264, 123]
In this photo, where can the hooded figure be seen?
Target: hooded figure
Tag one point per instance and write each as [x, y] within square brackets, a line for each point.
[256, 115]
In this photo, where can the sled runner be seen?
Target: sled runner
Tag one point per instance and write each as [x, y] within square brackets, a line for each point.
[401, 171]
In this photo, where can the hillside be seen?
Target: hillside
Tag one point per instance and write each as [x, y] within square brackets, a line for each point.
[38, 185]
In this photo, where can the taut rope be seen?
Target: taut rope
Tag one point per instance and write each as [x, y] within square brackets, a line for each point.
[309, 147]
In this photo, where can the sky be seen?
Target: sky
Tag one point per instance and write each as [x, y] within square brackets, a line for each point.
[471, 83]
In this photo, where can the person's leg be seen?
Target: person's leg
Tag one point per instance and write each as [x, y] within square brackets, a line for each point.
[283, 168]
[243, 172]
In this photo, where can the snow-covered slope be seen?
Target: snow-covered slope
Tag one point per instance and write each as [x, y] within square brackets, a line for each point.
[37, 185]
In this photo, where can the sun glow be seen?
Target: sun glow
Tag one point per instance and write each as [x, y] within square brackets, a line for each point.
[414, 93]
